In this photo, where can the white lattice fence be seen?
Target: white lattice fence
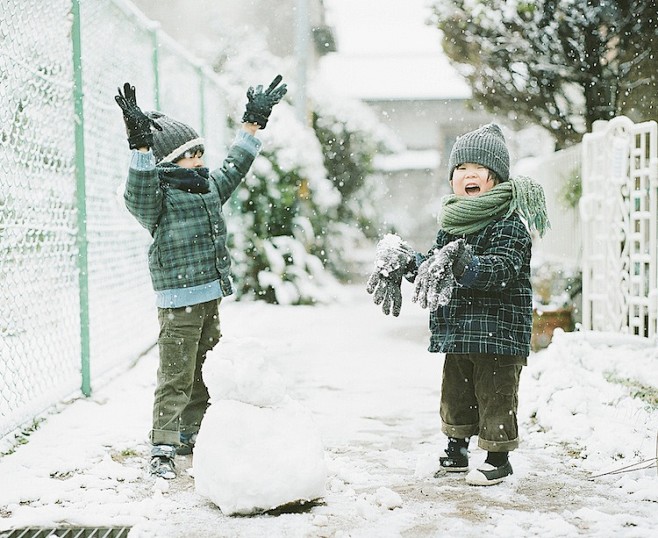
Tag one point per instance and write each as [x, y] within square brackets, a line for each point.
[618, 210]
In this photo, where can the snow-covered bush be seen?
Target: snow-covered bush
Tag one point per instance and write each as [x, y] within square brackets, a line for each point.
[350, 135]
[309, 202]
[279, 217]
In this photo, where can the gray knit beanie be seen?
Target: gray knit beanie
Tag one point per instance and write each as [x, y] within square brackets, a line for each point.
[484, 146]
[174, 140]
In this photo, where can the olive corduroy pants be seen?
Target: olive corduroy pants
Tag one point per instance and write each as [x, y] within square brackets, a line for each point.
[181, 396]
[479, 396]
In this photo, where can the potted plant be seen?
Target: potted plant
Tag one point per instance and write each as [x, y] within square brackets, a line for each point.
[555, 289]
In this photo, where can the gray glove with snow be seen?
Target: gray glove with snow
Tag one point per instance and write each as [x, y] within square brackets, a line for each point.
[392, 259]
[436, 275]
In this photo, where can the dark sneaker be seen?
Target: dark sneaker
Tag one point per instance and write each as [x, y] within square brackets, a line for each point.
[456, 458]
[488, 475]
[187, 442]
[453, 464]
[162, 461]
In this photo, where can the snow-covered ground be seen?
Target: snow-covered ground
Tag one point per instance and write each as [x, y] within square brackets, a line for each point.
[588, 406]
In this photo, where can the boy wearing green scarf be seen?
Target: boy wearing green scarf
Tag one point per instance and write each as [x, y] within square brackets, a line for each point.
[475, 280]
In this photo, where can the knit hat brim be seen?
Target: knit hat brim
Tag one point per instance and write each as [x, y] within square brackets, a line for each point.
[173, 139]
[176, 154]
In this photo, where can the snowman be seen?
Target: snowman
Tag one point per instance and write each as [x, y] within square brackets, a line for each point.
[257, 448]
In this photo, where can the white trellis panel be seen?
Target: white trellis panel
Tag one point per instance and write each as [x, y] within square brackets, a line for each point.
[618, 209]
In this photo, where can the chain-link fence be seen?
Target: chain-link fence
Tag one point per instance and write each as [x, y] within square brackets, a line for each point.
[76, 296]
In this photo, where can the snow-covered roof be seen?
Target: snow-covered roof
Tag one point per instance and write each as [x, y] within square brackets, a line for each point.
[428, 159]
[388, 51]
[406, 75]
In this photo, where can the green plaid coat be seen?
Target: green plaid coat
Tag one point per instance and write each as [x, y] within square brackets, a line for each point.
[491, 308]
[188, 230]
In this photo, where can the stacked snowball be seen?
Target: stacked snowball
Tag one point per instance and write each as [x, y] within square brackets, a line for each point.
[257, 448]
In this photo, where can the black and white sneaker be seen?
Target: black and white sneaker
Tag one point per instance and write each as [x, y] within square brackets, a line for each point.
[162, 461]
[454, 464]
[488, 475]
[456, 458]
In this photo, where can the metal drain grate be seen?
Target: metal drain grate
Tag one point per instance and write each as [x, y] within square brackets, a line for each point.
[67, 532]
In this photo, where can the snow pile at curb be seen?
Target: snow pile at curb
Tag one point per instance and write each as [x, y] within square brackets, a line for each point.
[593, 393]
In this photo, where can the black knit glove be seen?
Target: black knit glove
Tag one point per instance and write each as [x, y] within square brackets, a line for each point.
[260, 103]
[436, 279]
[392, 261]
[138, 124]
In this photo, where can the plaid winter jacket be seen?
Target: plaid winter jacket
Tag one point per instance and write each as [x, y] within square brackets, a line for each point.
[188, 230]
[491, 308]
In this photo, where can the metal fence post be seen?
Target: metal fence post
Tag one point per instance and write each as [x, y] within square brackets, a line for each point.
[81, 199]
[202, 100]
[302, 43]
[156, 68]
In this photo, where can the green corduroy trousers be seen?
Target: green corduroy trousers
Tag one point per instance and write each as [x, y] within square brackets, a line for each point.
[479, 396]
[181, 396]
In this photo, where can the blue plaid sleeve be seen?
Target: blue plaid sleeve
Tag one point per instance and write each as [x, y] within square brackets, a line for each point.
[143, 195]
[240, 156]
[502, 259]
[247, 142]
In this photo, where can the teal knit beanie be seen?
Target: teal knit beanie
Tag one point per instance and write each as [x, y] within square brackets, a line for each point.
[485, 146]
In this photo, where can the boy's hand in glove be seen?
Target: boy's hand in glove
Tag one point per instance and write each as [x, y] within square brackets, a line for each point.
[436, 275]
[392, 260]
[260, 103]
[138, 124]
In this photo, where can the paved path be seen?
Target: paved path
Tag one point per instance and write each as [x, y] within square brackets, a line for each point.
[374, 391]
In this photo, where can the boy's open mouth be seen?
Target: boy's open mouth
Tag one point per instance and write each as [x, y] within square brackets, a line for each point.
[472, 189]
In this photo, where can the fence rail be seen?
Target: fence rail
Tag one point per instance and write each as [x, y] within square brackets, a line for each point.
[76, 297]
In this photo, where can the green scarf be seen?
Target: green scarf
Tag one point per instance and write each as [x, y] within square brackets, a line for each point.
[464, 215]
